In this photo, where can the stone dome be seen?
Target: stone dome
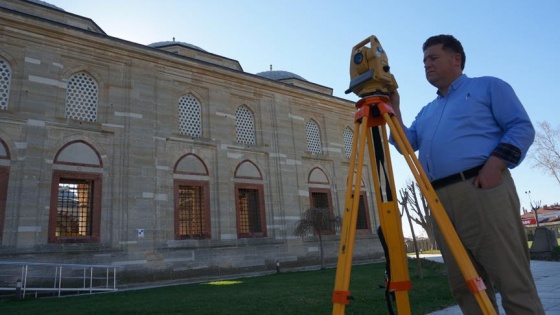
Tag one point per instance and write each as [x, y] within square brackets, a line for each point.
[279, 75]
[169, 43]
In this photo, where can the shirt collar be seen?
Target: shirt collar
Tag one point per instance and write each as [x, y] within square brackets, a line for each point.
[455, 85]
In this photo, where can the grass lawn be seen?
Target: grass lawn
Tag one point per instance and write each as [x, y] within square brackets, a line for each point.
[286, 293]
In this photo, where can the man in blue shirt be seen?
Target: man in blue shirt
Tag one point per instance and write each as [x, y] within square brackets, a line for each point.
[467, 138]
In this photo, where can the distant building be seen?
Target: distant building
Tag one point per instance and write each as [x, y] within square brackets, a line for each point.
[165, 160]
[548, 216]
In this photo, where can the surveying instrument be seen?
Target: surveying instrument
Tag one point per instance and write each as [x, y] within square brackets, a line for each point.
[373, 82]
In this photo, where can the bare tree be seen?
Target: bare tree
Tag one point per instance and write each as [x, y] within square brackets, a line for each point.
[404, 203]
[535, 206]
[545, 151]
[419, 206]
[319, 221]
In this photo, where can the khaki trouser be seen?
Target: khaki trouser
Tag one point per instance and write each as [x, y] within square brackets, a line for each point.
[489, 225]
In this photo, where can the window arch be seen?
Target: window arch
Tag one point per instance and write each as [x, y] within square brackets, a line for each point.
[78, 153]
[313, 138]
[82, 97]
[244, 125]
[189, 116]
[248, 169]
[317, 176]
[191, 164]
[348, 137]
[75, 204]
[5, 80]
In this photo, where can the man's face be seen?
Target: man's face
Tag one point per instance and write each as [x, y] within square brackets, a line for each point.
[441, 67]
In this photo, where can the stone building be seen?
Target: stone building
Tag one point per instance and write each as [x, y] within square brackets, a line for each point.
[165, 160]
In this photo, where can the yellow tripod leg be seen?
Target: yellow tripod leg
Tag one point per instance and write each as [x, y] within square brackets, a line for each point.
[474, 282]
[388, 213]
[341, 294]
[390, 219]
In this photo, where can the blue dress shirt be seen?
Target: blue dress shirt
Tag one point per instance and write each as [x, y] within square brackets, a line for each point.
[460, 130]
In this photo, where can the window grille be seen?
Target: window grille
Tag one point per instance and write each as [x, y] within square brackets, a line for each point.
[245, 125]
[362, 223]
[75, 208]
[313, 138]
[82, 98]
[249, 212]
[192, 216]
[189, 116]
[348, 137]
[321, 200]
[5, 79]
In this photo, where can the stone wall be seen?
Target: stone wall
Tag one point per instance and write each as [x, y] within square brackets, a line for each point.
[135, 135]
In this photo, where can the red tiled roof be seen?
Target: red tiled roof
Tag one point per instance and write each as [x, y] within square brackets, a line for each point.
[546, 214]
[541, 211]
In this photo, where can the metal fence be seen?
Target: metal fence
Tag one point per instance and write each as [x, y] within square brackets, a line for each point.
[24, 278]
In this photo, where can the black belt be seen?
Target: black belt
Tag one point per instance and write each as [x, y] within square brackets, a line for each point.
[455, 178]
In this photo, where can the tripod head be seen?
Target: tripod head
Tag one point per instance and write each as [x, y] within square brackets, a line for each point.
[369, 70]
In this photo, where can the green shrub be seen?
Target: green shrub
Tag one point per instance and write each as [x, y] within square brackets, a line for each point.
[556, 253]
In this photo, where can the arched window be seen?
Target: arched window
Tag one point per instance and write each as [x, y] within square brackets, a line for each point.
[320, 192]
[313, 138]
[75, 209]
[244, 125]
[348, 137]
[189, 116]
[249, 197]
[82, 97]
[5, 79]
[192, 198]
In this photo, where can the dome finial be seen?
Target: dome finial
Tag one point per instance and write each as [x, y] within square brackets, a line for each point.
[270, 67]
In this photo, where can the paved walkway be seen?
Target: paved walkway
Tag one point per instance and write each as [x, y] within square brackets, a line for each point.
[547, 279]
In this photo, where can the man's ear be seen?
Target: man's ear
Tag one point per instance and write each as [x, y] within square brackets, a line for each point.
[458, 59]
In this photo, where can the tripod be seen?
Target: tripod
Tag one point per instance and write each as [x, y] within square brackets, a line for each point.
[373, 112]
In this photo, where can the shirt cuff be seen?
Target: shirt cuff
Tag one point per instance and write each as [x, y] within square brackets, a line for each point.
[508, 153]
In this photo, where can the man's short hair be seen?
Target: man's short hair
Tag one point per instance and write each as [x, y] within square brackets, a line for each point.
[449, 43]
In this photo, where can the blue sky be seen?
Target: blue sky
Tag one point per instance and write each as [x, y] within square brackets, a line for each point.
[517, 41]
